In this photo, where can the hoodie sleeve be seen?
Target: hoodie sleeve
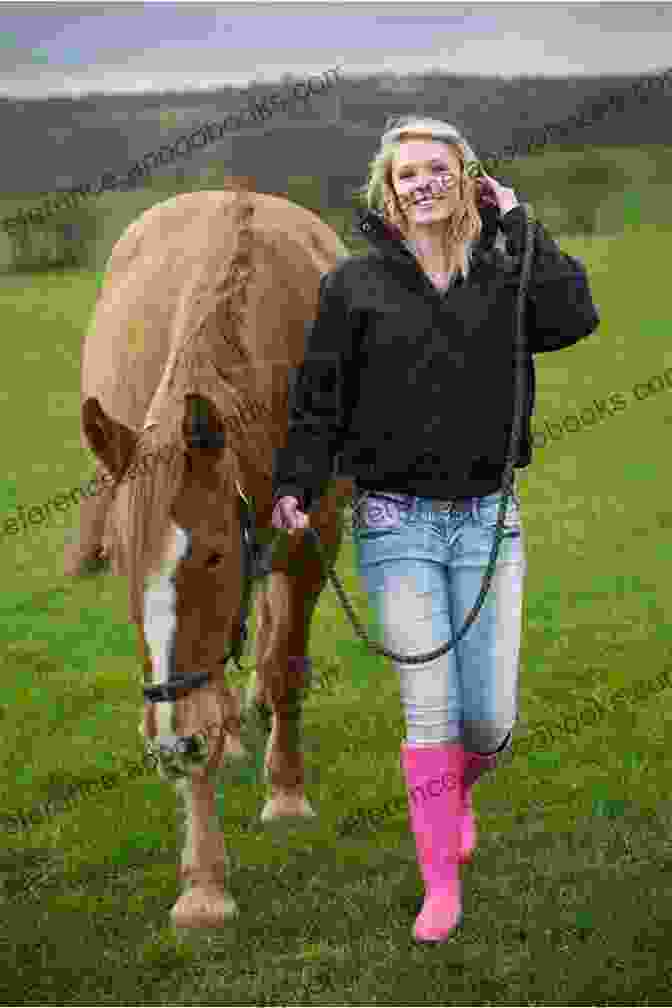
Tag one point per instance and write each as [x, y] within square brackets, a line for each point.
[560, 309]
[320, 402]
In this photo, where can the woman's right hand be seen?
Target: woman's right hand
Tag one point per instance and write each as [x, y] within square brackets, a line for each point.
[286, 515]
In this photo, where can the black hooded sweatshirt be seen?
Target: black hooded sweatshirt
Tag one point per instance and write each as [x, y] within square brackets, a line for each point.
[414, 388]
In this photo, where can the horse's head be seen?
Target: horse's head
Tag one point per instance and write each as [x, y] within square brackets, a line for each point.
[176, 522]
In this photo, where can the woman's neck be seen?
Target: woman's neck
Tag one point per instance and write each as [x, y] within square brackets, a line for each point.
[430, 252]
[433, 261]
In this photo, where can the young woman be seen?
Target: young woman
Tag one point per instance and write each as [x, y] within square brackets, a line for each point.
[409, 372]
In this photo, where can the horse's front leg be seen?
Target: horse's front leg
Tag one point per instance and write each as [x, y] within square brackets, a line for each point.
[289, 681]
[205, 900]
[275, 696]
[288, 600]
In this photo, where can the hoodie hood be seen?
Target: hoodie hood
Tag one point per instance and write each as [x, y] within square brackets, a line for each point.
[389, 241]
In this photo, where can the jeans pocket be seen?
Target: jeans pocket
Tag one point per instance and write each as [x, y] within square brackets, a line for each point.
[488, 512]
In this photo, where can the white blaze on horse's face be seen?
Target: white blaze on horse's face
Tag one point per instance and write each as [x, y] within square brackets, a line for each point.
[160, 618]
[160, 603]
[191, 601]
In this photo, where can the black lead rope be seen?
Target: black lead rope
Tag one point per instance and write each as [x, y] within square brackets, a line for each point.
[507, 480]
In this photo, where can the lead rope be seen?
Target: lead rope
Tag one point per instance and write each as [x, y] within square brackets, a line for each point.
[507, 481]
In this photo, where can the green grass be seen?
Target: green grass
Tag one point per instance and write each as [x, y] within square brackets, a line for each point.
[566, 901]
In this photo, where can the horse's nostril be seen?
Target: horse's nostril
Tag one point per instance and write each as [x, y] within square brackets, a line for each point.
[214, 559]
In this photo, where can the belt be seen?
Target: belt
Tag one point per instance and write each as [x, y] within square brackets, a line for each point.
[457, 504]
[454, 504]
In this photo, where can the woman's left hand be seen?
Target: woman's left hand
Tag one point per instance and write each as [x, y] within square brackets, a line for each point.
[506, 198]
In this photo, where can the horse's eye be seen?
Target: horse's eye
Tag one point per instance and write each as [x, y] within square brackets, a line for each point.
[214, 559]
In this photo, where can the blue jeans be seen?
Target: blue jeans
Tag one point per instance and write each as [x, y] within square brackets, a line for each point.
[423, 567]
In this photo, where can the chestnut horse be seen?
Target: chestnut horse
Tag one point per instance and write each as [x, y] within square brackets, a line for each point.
[186, 371]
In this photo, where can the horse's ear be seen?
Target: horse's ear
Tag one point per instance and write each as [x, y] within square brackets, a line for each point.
[111, 441]
[202, 428]
[204, 434]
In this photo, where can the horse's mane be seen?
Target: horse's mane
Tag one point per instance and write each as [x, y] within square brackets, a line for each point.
[211, 317]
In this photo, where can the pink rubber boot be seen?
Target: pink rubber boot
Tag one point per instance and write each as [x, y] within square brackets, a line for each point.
[433, 781]
[475, 765]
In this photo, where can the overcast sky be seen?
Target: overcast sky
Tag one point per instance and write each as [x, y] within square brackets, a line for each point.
[69, 49]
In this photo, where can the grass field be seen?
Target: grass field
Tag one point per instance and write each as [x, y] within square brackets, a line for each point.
[567, 900]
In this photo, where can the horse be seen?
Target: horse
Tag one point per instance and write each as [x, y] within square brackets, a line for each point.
[188, 361]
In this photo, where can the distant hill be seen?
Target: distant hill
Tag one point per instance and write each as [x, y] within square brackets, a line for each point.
[57, 143]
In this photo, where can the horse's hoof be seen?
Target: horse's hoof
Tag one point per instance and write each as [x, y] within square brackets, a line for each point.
[287, 810]
[79, 565]
[203, 906]
[99, 564]
[239, 765]
[234, 759]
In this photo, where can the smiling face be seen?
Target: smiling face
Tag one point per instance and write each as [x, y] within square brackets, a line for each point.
[426, 178]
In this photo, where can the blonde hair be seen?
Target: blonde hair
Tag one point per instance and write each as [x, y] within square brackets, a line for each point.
[463, 227]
